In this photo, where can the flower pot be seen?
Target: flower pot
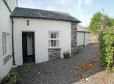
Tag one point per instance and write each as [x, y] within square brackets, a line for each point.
[66, 55]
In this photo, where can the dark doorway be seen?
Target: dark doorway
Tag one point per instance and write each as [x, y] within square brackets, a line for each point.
[28, 47]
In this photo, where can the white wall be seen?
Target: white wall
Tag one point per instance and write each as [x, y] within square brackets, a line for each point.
[82, 39]
[41, 29]
[82, 35]
[87, 40]
[81, 28]
[5, 26]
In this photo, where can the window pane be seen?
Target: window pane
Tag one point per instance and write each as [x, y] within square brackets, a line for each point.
[4, 43]
[53, 41]
[54, 35]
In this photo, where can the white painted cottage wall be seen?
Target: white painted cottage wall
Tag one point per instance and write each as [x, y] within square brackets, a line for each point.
[41, 29]
[5, 26]
[80, 38]
[87, 40]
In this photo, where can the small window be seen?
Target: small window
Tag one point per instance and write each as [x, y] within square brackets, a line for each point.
[4, 43]
[53, 39]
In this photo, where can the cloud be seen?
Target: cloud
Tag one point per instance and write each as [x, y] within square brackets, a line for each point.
[64, 2]
[87, 2]
[79, 4]
[85, 19]
[29, 3]
[49, 8]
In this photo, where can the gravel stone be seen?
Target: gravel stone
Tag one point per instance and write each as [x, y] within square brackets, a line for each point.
[59, 71]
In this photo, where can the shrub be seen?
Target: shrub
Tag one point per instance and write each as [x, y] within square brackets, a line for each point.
[106, 48]
[9, 79]
[78, 49]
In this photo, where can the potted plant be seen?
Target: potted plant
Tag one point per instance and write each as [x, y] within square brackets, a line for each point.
[66, 54]
[78, 49]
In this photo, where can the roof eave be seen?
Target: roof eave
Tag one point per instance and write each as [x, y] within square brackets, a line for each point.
[44, 18]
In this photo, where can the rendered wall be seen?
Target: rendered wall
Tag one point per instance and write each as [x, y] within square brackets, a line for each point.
[5, 26]
[41, 29]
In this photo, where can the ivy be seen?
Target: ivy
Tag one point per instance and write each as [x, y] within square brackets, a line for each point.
[107, 47]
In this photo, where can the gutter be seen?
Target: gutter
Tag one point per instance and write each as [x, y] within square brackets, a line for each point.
[13, 41]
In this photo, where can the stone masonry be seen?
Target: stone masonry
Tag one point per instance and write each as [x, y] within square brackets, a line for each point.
[54, 53]
[73, 38]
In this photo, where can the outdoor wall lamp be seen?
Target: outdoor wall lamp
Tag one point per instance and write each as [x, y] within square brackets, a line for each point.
[27, 22]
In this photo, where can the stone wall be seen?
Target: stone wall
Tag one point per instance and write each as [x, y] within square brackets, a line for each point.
[54, 53]
[73, 38]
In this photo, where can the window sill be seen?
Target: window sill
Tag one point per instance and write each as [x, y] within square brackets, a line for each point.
[56, 48]
[5, 55]
[6, 59]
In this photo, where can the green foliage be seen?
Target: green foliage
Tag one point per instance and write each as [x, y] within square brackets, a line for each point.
[9, 79]
[111, 22]
[95, 22]
[98, 19]
[106, 47]
[106, 38]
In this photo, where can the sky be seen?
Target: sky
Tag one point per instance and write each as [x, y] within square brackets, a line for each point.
[80, 9]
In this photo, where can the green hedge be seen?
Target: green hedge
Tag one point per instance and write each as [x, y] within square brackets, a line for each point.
[107, 47]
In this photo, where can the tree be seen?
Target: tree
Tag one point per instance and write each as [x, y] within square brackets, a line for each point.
[103, 25]
[111, 22]
[95, 22]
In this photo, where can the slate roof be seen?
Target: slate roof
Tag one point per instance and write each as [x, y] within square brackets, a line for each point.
[43, 14]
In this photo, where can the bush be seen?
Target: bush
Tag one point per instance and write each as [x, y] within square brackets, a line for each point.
[78, 49]
[106, 48]
[9, 79]
[66, 55]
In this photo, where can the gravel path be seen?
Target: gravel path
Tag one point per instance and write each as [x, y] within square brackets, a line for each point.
[61, 71]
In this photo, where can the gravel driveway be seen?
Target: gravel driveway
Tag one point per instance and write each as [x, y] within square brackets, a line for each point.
[61, 71]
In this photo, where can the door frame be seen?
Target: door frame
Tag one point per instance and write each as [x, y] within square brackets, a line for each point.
[34, 45]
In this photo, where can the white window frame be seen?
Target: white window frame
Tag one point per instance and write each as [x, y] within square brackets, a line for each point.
[4, 43]
[57, 45]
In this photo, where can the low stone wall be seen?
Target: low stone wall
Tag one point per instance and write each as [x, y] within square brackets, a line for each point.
[54, 53]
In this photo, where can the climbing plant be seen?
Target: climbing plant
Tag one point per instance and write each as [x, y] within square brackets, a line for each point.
[107, 47]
